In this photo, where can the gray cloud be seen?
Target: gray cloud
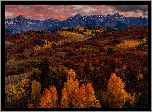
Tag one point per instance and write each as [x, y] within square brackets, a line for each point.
[145, 13]
[134, 8]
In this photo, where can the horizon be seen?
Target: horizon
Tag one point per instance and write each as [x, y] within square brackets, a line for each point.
[62, 12]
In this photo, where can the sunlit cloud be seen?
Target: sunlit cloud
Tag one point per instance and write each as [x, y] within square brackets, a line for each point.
[62, 12]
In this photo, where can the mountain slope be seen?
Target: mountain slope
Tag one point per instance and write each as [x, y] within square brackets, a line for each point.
[21, 24]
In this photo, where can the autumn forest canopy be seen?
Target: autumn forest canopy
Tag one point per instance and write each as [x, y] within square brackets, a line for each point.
[82, 67]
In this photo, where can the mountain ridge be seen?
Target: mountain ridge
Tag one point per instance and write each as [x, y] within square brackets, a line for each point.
[21, 24]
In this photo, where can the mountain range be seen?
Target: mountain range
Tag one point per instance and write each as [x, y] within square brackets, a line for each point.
[21, 24]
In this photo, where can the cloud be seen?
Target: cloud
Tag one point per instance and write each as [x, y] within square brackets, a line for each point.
[62, 12]
[89, 9]
[126, 8]
[77, 7]
[8, 14]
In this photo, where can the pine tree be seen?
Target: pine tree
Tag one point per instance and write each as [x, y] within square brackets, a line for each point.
[45, 78]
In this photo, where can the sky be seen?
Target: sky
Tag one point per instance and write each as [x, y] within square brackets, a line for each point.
[62, 12]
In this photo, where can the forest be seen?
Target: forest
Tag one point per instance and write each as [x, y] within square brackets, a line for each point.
[82, 67]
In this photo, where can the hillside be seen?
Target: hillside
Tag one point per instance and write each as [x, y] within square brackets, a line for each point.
[92, 53]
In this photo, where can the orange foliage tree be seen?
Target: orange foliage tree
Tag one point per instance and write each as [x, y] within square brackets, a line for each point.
[71, 86]
[64, 100]
[75, 97]
[85, 97]
[116, 96]
[49, 98]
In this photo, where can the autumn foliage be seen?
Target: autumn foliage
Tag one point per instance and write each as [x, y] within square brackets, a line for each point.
[116, 96]
[85, 97]
[82, 60]
[35, 94]
[49, 98]
[75, 97]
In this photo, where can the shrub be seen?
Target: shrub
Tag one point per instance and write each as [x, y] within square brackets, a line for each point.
[84, 51]
[35, 95]
[140, 46]
[128, 44]
[14, 93]
[21, 49]
[34, 62]
[142, 100]
[36, 74]
[10, 72]
[88, 50]
[115, 42]
[39, 42]
[20, 70]
[127, 105]
[109, 50]
[96, 51]
[53, 45]
[140, 76]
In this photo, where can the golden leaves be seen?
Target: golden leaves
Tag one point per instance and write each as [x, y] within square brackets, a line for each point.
[71, 74]
[49, 98]
[128, 44]
[30, 106]
[47, 45]
[35, 95]
[115, 96]
[15, 92]
[75, 97]
[64, 100]
[140, 76]
[85, 97]
[72, 37]
[80, 101]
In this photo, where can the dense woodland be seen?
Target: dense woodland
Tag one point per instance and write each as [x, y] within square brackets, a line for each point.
[82, 67]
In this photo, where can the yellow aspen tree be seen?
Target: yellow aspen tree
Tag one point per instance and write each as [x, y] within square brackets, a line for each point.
[45, 99]
[49, 44]
[49, 98]
[64, 101]
[115, 96]
[35, 95]
[85, 97]
[80, 95]
[71, 86]
[71, 74]
[54, 96]
[90, 97]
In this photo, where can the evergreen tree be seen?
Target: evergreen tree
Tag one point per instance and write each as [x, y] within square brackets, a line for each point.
[53, 45]
[142, 100]
[45, 78]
